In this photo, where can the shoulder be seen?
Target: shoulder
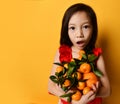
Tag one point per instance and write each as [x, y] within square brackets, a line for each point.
[101, 65]
[57, 54]
[100, 61]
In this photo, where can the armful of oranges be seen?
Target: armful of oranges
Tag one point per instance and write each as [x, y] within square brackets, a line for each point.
[78, 75]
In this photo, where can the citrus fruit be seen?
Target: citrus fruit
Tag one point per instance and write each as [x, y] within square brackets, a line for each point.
[78, 75]
[90, 82]
[81, 52]
[81, 85]
[91, 79]
[72, 59]
[76, 96]
[84, 68]
[59, 69]
[90, 75]
[86, 90]
[66, 66]
[66, 83]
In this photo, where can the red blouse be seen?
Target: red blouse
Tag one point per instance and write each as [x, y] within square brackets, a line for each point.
[66, 56]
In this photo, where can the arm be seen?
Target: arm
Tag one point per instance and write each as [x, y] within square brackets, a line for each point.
[104, 90]
[57, 91]
[52, 87]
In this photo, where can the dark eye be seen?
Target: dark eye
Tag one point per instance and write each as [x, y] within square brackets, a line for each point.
[86, 26]
[72, 28]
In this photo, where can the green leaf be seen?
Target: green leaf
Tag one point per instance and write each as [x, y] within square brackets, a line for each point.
[75, 75]
[73, 82]
[67, 95]
[69, 99]
[54, 79]
[95, 70]
[80, 63]
[64, 88]
[61, 80]
[98, 73]
[83, 80]
[92, 66]
[56, 73]
[64, 71]
[84, 56]
[77, 60]
[72, 63]
[71, 67]
[92, 58]
[57, 63]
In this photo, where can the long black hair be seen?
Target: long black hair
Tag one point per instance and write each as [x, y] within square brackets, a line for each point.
[64, 39]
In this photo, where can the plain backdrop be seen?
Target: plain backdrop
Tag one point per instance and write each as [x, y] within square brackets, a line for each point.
[29, 38]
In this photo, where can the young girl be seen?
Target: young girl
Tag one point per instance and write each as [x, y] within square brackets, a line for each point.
[79, 32]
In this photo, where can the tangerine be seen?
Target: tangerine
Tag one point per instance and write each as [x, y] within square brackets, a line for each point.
[86, 90]
[81, 52]
[77, 95]
[59, 69]
[84, 68]
[90, 82]
[81, 85]
[72, 59]
[90, 75]
[79, 75]
[66, 66]
[91, 79]
[66, 83]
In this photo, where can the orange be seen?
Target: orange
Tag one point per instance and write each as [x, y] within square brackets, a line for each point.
[84, 68]
[66, 66]
[86, 90]
[90, 75]
[92, 79]
[81, 85]
[66, 83]
[72, 59]
[59, 69]
[77, 95]
[79, 75]
[90, 82]
[81, 52]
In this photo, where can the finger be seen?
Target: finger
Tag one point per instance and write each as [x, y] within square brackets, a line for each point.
[94, 87]
[89, 94]
[92, 97]
[97, 84]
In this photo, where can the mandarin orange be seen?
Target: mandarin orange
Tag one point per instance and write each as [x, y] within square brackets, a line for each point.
[84, 68]
[81, 52]
[91, 79]
[77, 95]
[86, 90]
[81, 85]
[59, 69]
[66, 83]
[79, 75]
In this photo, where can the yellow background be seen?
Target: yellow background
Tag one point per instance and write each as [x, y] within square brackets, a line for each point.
[29, 37]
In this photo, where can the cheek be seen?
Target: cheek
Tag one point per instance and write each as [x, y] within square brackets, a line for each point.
[70, 35]
[88, 36]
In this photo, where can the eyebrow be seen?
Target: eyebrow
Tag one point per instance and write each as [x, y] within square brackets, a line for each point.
[82, 23]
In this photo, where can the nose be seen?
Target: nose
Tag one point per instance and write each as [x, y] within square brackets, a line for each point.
[79, 34]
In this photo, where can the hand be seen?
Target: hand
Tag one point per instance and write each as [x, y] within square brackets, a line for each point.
[89, 96]
[96, 87]
[86, 98]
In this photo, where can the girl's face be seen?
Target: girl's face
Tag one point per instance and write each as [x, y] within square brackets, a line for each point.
[80, 29]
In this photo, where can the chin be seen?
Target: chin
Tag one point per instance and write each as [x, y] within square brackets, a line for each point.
[80, 48]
